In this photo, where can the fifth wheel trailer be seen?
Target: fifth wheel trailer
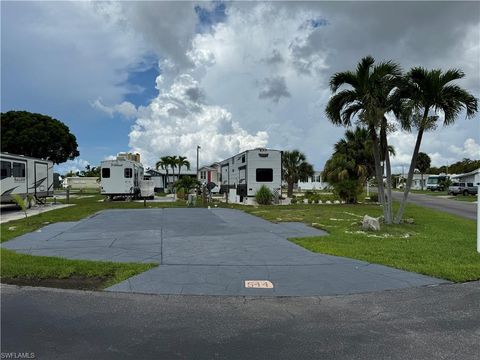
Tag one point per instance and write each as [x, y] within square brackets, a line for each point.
[24, 175]
[121, 178]
[248, 171]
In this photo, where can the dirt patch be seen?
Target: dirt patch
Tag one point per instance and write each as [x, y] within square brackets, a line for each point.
[73, 282]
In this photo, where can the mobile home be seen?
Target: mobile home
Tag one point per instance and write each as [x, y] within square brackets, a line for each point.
[121, 178]
[24, 176]
[248, 171]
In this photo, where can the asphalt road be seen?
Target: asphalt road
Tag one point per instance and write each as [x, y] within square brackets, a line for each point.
[461, 208]
[438, 322]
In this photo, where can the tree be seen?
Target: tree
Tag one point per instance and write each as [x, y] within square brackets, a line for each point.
[423, 164]
[182, 161]
[90, 171]
[164, 164]
[351, 164]
[37, 135]
[424, 93]
[187, 183]
[295, 168]
[173, 164]
[370, 96]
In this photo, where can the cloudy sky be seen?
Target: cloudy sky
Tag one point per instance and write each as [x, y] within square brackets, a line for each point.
[161, 78]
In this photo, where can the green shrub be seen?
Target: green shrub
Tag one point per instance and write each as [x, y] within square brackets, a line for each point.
[181, 194]
[264, 196]
[374, 197]
[294, 201]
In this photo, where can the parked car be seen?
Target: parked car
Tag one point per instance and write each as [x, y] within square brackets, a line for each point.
[463, 188]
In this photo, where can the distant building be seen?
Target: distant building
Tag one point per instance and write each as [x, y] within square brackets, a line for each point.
[470, 177]
[162, 182]
[81, 183]
[208, 174]
[128, 156]
[314, 182]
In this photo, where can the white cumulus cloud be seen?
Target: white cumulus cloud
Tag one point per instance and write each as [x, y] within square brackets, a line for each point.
[179, 119]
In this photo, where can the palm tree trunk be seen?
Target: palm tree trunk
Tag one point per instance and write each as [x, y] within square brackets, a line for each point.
[378, 169]
[399, 216]
[421, 180]
[389, 188]
[290, 189]
[388, 200]
[165, 183]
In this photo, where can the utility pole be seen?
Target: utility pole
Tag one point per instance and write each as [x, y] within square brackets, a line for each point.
[198, 148]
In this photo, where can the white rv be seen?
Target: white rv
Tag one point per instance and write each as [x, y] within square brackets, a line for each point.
[121, 178]
[24, 176]
[248, 171]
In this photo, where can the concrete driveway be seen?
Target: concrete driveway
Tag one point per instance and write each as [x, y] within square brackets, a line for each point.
[212, 252]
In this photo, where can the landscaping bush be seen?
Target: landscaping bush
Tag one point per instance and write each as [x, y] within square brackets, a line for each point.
[181, 194]
[264, 196]
[374, 197]
[294, 200]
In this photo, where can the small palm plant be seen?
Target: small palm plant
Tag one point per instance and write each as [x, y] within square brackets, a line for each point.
[24, 204]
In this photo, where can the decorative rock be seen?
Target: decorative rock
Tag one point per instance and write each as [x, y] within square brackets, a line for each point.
[305, 201]
[328, 202]
[409, 221]
[370, 223]
[320, 201]
[336, 202]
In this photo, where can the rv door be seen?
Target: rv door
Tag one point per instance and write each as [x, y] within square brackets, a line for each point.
[40, 185]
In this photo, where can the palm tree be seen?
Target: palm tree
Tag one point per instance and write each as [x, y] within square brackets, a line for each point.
[369, 97]
[423, 164]
[295, 167]
[164, 164]
[182, 161]
[346, 176]
[173, 164]
[423, 94]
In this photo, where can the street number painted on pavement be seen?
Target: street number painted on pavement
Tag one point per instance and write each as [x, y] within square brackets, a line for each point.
[258, 284]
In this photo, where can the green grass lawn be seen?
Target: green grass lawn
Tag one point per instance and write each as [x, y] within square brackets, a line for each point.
[468, 198]
[58, 272]
[437, 244]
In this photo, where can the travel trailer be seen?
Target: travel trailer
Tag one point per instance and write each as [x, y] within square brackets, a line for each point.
[248, 171]
[121, 177]
[25, 176]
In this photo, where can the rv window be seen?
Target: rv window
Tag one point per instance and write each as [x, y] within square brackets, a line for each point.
[105, 172]
[264, 175]
[127, 172]
[243, 158]
[6, 169]
[18, 170]
[263, 155]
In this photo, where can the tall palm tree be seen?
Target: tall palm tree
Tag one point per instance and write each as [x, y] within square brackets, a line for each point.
[182, 161]
[370, 97]
[295, 167]
[173, 160]
[424, 93]
[164, 164]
